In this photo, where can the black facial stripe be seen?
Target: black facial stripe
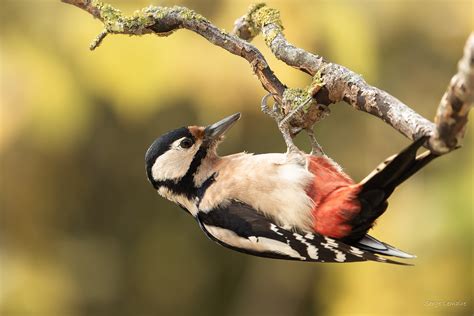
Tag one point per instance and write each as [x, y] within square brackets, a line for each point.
[204, 186]
[178, 188]
[185, 186]
[193, 167]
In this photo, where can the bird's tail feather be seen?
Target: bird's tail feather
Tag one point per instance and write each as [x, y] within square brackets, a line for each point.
[396, 169]
[376, 246]
[379, 185]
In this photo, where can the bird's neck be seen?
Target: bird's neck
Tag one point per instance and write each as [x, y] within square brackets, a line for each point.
[206, 170]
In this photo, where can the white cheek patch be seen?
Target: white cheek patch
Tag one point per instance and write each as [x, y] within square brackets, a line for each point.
[174, 163]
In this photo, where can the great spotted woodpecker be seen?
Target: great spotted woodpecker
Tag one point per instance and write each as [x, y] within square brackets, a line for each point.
[287, 206]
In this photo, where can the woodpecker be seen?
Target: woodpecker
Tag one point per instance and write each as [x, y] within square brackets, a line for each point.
[290, 205]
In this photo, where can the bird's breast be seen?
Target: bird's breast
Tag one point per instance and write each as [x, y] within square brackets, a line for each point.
[269, 183]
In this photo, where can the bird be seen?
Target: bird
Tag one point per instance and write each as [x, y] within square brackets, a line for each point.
[293, 205]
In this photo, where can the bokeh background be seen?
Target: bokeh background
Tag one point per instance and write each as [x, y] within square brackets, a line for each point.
[83, 233]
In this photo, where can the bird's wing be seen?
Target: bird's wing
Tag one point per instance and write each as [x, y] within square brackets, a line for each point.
[239, 227]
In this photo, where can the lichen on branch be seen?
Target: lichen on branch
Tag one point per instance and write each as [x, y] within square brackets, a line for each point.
[144, 21]
[257, 17]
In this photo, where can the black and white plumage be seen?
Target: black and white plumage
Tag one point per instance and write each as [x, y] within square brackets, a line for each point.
[241, 228]
[285, 206]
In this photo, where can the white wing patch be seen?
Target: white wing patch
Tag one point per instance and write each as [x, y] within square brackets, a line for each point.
[278, 247]
[253, 243]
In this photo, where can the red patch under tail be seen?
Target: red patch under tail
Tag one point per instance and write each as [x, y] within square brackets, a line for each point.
[335, 197]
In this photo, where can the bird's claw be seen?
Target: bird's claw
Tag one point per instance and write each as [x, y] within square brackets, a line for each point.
[274, 110]
[316, 149]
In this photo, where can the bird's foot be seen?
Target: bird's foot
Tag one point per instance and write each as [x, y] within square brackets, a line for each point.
[316, 149]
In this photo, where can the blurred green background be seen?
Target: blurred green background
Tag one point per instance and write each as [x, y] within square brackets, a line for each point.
[83, 233]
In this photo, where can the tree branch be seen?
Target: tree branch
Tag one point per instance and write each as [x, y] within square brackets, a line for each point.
[165, 20]
[451, 117]
[300, 109]
[342, 84]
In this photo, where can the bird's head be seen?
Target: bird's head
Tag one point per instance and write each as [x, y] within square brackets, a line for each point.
[173, 159]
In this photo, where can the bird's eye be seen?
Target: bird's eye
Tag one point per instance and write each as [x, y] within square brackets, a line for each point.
[186, 143]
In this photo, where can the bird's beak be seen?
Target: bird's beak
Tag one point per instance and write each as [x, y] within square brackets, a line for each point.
[216, 130]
